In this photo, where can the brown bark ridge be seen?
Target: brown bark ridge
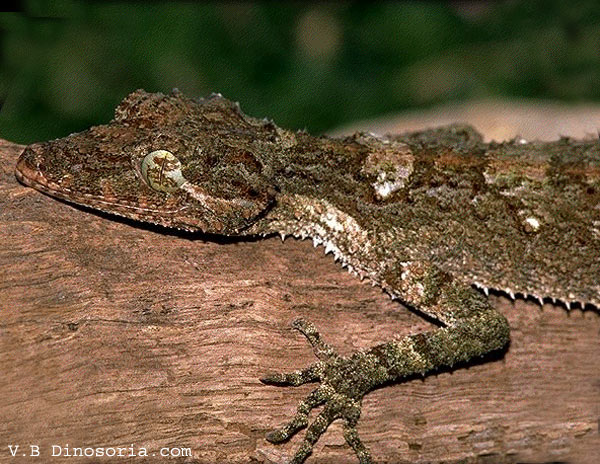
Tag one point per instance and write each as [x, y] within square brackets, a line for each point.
[119, 335]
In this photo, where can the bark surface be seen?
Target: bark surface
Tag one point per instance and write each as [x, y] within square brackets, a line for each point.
[113, 334]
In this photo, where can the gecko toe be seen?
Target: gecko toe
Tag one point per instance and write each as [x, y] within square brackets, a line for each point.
[341, 390]
[300, 420]
[311, 374]
[321, 349]
[352, 438]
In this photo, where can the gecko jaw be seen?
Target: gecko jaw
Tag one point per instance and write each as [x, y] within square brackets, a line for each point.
[33, 177]
[29, 174]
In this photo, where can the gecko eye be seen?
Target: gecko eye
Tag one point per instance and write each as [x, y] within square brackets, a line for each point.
[161, 170]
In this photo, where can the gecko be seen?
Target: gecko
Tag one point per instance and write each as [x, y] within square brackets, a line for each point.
[437, 218]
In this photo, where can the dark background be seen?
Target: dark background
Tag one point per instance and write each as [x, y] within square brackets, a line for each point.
[65, 65]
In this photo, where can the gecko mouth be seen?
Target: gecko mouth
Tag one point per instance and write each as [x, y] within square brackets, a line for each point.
[29, 172]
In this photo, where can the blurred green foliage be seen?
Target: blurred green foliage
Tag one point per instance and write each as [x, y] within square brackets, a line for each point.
[65, 65]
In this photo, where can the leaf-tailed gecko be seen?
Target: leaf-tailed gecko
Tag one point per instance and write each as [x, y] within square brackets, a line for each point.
[437, 218]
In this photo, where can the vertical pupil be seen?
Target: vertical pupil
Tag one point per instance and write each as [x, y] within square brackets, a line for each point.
[162, 161]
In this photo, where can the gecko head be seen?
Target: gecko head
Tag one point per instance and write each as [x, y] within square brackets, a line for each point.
[164, 159]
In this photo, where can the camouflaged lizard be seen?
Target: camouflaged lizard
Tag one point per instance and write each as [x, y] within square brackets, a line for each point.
[436, 218]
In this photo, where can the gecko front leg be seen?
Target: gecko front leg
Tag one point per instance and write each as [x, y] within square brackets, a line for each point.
[471, 328]
[344, 381]
[516, 216]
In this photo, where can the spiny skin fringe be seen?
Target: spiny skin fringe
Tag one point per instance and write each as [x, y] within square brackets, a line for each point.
[329, 248]
[473, 329]
[384, 208]
[417, 354]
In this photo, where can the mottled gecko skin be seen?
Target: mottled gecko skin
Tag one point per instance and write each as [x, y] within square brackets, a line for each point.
[425, 215]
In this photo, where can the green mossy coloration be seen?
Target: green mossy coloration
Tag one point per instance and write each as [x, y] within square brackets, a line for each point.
[519, 217]
[433, 283]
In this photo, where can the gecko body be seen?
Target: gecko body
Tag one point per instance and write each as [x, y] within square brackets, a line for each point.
[426, 215]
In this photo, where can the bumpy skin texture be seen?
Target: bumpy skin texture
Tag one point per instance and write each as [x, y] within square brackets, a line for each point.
[425, 215]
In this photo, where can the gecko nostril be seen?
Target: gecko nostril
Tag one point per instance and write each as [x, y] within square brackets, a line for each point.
[27, 169]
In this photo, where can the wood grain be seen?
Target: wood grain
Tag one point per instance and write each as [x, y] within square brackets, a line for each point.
[113, 334]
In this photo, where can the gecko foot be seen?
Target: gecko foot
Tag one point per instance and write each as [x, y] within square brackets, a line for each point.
[344, 382]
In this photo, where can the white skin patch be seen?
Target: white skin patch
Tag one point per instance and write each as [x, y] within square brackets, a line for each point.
[531, 224]
[387, 183]
[331, 219]
[338, 221]
[392, 168]
[596, 229]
